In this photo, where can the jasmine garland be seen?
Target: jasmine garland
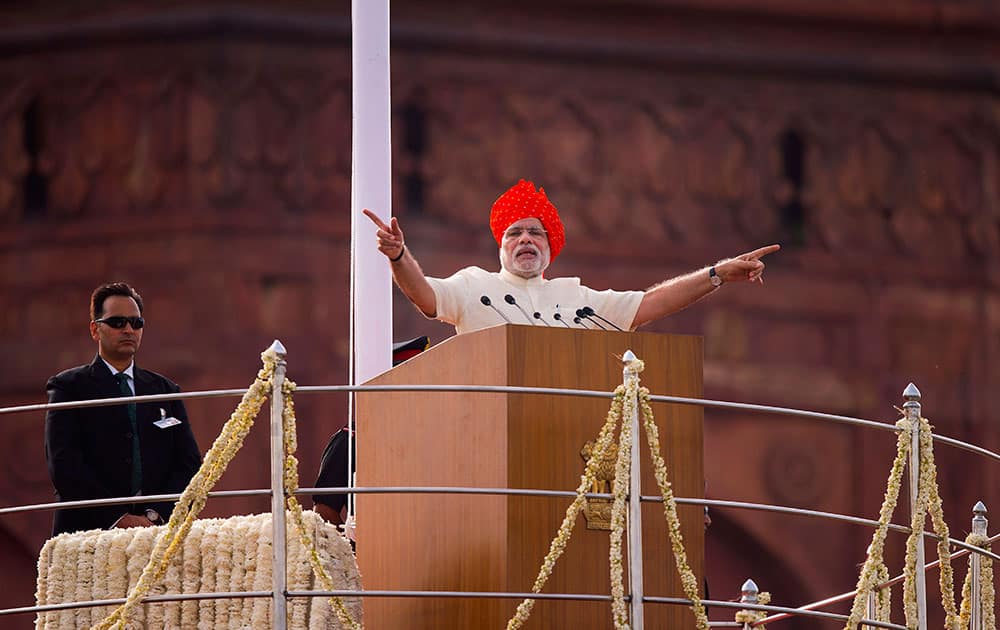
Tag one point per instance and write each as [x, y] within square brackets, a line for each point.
[247, 541]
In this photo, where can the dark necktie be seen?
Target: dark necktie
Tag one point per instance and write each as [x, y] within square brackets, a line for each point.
[122, 379]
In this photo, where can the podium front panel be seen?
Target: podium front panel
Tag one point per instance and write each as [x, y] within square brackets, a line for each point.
[495, 542]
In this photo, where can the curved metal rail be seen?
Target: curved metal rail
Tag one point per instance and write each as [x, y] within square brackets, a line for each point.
[496, 389]
[673, 601]
[782, 612]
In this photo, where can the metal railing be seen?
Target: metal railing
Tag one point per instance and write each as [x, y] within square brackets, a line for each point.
[280, 594]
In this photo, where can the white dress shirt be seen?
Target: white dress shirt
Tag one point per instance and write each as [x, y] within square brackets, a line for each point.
[127, 372]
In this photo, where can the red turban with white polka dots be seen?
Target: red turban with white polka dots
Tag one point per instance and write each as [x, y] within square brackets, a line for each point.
[522, 201]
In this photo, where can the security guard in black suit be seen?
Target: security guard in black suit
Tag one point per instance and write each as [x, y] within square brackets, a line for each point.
[120, 450]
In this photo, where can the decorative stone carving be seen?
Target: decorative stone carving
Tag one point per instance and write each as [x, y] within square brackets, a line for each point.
[224, 135]
[14, 163]
[597, 511]
[793, 477]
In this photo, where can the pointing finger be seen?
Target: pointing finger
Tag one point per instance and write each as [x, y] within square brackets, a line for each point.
[761, 252]
[377, 221]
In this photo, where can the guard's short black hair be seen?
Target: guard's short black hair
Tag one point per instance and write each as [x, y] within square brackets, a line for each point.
[105, 291]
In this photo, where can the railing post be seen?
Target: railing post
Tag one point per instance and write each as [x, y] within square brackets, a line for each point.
[748, 595]
[911, 408]
[979, 525]
[279, 580]
[634, 505]
[871, 607]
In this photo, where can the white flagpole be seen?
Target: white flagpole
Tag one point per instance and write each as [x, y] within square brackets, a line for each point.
[371, 282]
[371, 187]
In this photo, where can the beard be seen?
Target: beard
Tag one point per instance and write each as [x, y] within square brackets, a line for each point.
[526, 266]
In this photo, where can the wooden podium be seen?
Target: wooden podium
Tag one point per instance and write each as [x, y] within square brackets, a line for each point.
[496, 543]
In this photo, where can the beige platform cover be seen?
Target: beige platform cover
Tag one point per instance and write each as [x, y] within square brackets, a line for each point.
[232, 554]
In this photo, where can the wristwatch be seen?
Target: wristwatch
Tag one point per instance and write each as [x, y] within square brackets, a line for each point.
[714, 278]
[154, 517]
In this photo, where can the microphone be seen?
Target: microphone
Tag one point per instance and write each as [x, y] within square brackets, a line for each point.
[576, 320]
[510, 300]
[582, 314]
[538, 316]
[591, 313]
[486, 302]
[562, 321]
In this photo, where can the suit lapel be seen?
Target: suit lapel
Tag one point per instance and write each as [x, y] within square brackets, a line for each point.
[147, 413]
[143, 381]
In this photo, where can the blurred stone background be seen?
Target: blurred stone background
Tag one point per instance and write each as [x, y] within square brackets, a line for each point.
[202, 151]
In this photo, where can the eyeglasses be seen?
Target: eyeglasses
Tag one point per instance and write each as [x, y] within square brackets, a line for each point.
[119, 321]
[533, 232]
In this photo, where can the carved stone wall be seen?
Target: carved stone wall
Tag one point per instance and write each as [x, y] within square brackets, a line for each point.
[203, 154]
[886, 201]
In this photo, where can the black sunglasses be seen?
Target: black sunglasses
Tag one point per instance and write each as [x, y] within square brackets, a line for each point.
[119, 321]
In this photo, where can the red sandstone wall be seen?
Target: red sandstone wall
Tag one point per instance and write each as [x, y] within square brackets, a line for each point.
[204, 155]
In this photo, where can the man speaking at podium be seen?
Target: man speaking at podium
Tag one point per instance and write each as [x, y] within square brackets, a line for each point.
[530, 235]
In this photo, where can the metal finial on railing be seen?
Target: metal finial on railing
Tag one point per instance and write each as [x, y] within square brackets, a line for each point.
[911, 393]
[278, 349]
[979, 520]
[749, 594]
[628, 363]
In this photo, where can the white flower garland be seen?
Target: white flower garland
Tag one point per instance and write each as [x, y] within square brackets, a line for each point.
[928, 502]
[206, 607]
[224, 568]
[620, 489]
[872, 570]
[558, 544]
[987, 594]
[102, 574]
[883, 598]
[622, 409]
[172, 610]
[260, 616]
[247, 538]
[688, 580]
[749, 616]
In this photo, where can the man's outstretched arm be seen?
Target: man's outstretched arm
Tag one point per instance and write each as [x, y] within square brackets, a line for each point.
[406, 271]
[675, 294]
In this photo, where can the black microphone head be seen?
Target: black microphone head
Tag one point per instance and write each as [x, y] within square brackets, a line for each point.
[485, 300]
[576, 320]
[587, 311]
[557, 317]
[538, 315]
[508, 298]
[581, 313]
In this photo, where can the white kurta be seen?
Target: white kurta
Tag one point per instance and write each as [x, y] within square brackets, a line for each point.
[459, 300]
